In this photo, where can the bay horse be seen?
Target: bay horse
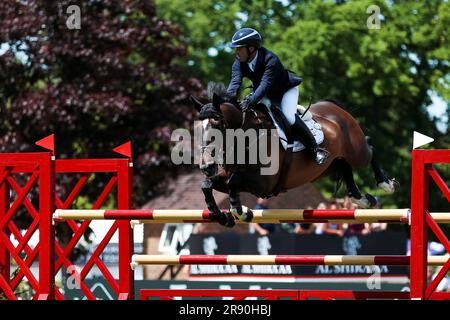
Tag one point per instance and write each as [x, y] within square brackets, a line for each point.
[344, 139]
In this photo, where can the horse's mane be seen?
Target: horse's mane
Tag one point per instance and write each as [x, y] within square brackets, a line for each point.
[208, 110]
[219, 89]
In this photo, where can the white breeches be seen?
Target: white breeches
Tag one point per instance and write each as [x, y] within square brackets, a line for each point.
[289, 104]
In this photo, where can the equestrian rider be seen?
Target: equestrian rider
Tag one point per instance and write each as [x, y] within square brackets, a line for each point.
[270, 79]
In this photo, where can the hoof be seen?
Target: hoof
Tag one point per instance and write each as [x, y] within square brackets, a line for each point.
[372, 200]
[225, 219]
[229, 220]
[245, 214]
[366, 202]
[235, 212]
[388, 186]
[363, 202]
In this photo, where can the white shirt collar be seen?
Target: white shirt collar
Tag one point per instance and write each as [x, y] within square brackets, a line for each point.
[252, 63]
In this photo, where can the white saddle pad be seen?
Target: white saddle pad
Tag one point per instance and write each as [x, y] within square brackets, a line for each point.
[314, 127]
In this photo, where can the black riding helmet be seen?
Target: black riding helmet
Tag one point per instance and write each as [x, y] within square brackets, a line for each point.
[246, 37]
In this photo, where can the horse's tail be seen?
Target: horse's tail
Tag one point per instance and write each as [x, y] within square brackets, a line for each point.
[336, 175]
[371, 148]
[369, 140]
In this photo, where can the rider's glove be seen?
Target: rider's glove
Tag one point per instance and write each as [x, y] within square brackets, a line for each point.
[245, 104]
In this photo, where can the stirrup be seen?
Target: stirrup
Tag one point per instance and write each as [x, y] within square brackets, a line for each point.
[321, 156]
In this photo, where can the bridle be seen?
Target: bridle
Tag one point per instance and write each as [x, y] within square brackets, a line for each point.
[212, 168]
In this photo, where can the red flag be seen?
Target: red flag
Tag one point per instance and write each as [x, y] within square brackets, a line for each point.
[124, 149]
[47, 143]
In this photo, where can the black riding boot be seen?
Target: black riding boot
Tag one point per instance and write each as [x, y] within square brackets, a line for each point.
[300, 131]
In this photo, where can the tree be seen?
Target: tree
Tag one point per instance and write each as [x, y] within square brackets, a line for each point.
[115, 78]
[208, 27]
[385, 77]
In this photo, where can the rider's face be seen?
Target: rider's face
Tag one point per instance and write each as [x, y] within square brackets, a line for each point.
[242, 53]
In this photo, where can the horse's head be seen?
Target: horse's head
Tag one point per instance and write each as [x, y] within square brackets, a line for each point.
[217, 116]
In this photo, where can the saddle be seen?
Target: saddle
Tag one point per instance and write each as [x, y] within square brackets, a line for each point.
[275, 115]
[278, 119]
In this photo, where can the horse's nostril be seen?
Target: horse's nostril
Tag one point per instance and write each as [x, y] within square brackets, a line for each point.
[207, 166]
[208, 169]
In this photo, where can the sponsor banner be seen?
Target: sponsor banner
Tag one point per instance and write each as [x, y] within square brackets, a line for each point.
[383, 243]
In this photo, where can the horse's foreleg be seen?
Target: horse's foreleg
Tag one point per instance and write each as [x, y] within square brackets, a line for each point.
[224, 218]
[237, 209]
[353, 191]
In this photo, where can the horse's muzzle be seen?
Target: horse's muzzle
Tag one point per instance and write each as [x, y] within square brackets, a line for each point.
[209, 169]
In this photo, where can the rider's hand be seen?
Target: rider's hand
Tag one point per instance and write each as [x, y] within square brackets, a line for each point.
[245, 104]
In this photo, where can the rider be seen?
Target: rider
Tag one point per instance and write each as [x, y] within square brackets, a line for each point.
[270, 79]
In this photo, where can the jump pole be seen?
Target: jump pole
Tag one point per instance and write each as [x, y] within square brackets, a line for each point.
[298, 260]
[259, 216]
[266, 216]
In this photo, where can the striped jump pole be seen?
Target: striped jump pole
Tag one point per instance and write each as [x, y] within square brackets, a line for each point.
[295, 260]
[259, 216]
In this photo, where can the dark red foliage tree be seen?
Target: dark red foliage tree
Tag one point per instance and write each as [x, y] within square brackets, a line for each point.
[114, 79]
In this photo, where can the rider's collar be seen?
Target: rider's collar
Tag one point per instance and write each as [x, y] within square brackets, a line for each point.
[252, 64]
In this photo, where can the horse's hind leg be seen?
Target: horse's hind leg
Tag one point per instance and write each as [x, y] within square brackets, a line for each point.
[354, 193]
[383, 181]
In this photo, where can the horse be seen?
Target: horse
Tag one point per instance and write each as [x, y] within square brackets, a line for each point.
[344, 139]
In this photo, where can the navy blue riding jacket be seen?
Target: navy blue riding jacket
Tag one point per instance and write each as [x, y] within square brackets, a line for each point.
[269, 78]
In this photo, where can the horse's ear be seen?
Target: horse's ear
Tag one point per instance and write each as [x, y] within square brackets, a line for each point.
[217, 101]
[197, 104]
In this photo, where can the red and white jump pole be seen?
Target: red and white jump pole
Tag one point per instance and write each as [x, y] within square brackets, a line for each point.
[266, 216]
[294, 260]
[259, 216]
